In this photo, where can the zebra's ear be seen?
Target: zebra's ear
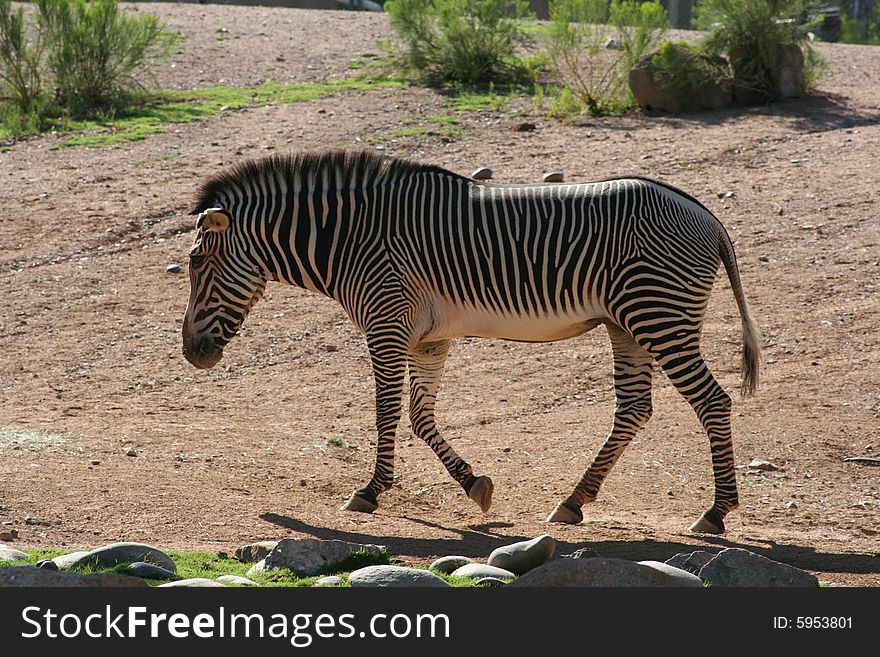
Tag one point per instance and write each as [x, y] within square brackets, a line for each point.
[214, 219]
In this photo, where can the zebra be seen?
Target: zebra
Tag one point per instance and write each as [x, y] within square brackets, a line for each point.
[418, 256]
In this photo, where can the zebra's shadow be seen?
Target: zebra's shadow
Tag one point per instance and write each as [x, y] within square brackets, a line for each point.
[478, 540]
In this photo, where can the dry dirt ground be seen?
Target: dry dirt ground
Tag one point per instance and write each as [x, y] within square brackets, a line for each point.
[274, 439]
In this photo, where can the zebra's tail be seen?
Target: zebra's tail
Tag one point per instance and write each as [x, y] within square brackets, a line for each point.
[751, 352]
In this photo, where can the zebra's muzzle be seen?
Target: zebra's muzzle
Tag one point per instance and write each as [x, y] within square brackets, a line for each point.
[203, 352]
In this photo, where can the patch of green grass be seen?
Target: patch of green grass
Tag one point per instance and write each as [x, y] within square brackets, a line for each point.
[337, 442]
[152, 111]
[211, 565]
[5, 149]
[444, 120]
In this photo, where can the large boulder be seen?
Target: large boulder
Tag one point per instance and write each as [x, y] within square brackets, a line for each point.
[790, 73]
[691, 561]
[395, 576]
[650, 94]
[255, 551]
[741, 568]
[117, 553]
[599, 572]
[479, 571]
[310, 556]
[521, 557]
[25, 576]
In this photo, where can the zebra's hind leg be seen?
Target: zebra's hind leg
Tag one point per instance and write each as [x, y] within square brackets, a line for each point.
[633, 368]
[688, 372]
[388, 353]
[425, 372]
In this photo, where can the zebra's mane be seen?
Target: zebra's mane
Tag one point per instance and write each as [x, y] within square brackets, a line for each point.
[344, 169]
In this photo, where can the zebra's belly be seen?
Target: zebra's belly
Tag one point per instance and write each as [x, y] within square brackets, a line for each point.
[451, 321]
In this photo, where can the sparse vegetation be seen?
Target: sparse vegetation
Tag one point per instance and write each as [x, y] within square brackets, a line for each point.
[460, 41]
[152, 111]
[210, 565]
[73, 58]
[683, 69]
[753, 35]
[593, 77]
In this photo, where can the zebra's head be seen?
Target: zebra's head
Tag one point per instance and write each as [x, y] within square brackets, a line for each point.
[224, 285]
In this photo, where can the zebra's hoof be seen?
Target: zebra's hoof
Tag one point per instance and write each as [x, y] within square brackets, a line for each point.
[565, 514]
[706, 526]
[359, 504]
[481, 492]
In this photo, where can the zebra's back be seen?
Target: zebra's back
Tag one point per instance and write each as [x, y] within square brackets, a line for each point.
[543, 262]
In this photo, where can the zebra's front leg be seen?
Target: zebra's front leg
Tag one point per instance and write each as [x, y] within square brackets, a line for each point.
[388, 354]
[633, 369]
[425, 371]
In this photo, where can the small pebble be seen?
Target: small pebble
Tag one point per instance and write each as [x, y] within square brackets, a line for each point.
[173, 268]
[553, 177]
[130, 451]
[483, 173]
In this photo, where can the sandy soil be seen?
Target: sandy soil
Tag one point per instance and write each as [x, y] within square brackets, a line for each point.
[273, 440]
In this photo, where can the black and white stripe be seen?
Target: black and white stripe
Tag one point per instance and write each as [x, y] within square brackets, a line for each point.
[418, 256]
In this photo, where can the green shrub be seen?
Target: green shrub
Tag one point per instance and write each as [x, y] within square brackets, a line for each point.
[21, 53]
[753, 35]
[464, 41]
[97, 54]
[683, 69]
[593, 74]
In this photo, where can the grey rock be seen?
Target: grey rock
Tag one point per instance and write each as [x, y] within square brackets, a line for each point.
[48, 564]
[309, 556]
[479, 571]
[194, 582]
[483, 173]
[64, 561]
[450, 563]
[150, 571]
[394, 576]
[255, 551]
[259, 567]
[491, 582]
[11, 554]
[521, 557]
[21, 576]
[173, 268]
[117, 553]
[691, 561]
[238, 580]
[738, 567]
[790, 73]
[612, 44]
[553, 177]
[130, 451]
[582, 553]
[596, 572]
[650, 94]
[330, 580]
[682, 576]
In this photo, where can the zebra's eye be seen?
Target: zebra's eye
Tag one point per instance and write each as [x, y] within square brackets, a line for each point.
[196, 260]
